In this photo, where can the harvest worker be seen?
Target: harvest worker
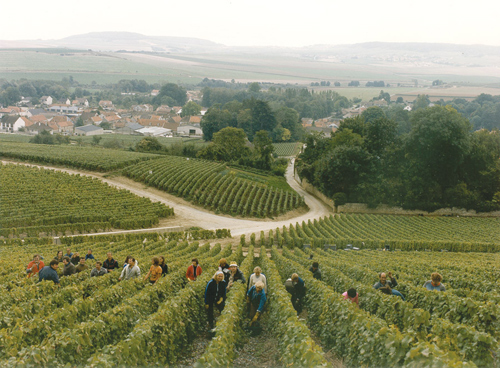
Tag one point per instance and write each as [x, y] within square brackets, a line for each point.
[215, 295]
[256, 297]
[194, 270]
[69, 268]
[163, 265]
[255, 277]
[435, 282]
[351, 295]
[131, 271]
[224, 267]
[49, 272]
[34, 266]
[98, 270]
[296, 286]
[155, 271]
[59, 257]
[110, 264]
[315, 271]
[68, 253]
[81, 266]
[391, 284]
[234, 275]
[75, 259]
[89, 255]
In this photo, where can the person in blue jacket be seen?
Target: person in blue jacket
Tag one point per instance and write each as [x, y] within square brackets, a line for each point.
[256, 297]
[215, 296]
[49, 272]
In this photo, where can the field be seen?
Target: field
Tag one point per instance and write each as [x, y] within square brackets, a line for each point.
[216, 187]
[287, 149]
[399, 232]
[44, 201]
[87, 158]
[150, 325]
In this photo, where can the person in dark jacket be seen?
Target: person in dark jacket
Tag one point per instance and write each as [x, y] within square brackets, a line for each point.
[49, 272]
[256, 297]
[315, 271]
[215, 296]
[110, 263]
[164, 267]
[298, 291]
[234, 275]
[59, 257]
[69, 268]
[89, 255]
[75, 258]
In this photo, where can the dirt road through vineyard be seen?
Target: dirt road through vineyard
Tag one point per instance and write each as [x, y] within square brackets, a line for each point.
[187, 215]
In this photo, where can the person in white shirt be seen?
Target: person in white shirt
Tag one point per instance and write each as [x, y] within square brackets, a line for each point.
[131, 271]
[256, 277]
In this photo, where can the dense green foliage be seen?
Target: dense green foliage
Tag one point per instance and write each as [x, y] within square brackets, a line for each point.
[88, 158]
[407, 233]
[37, 200]
[425, 160]
[216, 187]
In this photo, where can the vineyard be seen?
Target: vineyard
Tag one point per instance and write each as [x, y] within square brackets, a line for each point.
[87, 158]
[215, 187]
[287, 149]
[101, 321]
[464, 234]
[38, 201]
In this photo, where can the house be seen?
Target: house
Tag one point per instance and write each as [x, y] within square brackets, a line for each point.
[194, 119]
[36, 128]
[12, 123]
[155, 131]
[61, 124]
[163, 109]
[177, 109]
[189, 130]
[32, 112]
[407, 108]
[96, 120]
[89, 130]
[7, 111]
[129, 128]
[106, 105]
[110, 118]
[39, 119]
[155, 92]
[142, 108]
[46, 100]
[175, 119]
[82, 102]
[63, 108]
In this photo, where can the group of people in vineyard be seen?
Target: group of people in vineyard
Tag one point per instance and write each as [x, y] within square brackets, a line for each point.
[73, 263]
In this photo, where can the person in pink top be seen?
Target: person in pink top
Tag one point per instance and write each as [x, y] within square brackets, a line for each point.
[352, 295]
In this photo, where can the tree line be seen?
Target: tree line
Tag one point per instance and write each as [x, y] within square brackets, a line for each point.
[425, 159]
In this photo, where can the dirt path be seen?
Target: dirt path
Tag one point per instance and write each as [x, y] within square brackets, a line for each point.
[187, 215]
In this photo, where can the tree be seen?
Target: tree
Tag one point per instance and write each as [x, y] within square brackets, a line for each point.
[421, 102]
[214, 120]
[336, 84]
[289, 119]
[229, 144]
[191, 109]
[95, 140]
[176, 93]
[254, 88]
[437, 145]
[149, 144]
[399, 100]
[263, 146]
[373, 113]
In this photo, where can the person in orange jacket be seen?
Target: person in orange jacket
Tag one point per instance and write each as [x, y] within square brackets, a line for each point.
[34, 266]
[194, 270]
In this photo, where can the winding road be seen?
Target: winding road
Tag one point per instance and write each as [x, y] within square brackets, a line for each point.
[187, 215]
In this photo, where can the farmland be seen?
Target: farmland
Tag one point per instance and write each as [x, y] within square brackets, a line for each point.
[142, 320]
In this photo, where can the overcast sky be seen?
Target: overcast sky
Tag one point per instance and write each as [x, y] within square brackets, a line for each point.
[260, 22]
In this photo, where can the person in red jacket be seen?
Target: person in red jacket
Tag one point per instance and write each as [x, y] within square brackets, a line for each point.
[34, 266]
[194, 270]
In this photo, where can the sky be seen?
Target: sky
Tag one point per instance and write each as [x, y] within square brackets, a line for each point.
[261, 22]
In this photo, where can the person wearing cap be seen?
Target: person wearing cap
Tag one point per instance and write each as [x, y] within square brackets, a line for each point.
[256, 297]
[234, 275]
[215, 296]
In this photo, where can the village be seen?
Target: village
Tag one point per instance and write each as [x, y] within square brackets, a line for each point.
[78, 117]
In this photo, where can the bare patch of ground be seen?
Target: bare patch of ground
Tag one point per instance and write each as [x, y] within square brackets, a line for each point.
[195, 350]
